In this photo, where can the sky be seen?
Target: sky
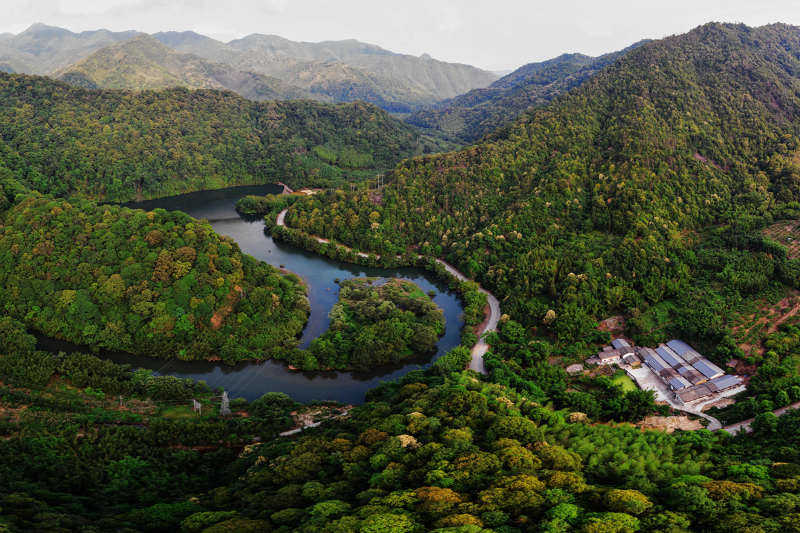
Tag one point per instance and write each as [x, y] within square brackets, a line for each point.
[490, 34]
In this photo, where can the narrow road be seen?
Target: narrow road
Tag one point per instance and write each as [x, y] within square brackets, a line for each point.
[745, 424]
[480, 349]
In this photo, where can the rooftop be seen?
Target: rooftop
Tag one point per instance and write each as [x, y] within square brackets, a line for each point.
[726, 382]
[655, 362]
[620, 343]
[679, 383]
[679, 347]
[708, 369]
[672, 358]
[697, 392]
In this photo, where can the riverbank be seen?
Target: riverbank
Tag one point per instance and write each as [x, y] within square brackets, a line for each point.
[481, 347]
[251, 379]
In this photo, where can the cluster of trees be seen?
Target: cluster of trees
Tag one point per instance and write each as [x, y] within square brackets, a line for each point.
[119, 145]
[375, 325]
[157, 283]
[265, 204]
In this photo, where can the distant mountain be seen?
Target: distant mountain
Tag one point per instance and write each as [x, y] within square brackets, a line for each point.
[143, 62]
[4, 36]
[472, 115]
[12, 60]
[441, 79]
[333, 79]
[337, 71]
[275, 46]
[53, 48]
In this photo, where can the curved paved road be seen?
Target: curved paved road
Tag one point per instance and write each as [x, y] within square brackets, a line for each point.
[481, 347]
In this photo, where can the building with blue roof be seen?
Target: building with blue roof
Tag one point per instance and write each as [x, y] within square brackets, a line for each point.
[678, 346]
[679, 383]
[673, 359]
[656, 363]
[708, 369]
[725, 383]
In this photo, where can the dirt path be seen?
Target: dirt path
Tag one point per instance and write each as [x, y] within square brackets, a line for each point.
[783, 319]
[480, 349]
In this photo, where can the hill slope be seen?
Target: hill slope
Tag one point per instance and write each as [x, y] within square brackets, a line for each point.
[580, 206]
[110, 144]
[470, 116]
[142, 63]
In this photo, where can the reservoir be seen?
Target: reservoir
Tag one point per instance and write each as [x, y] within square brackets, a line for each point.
[252, 379]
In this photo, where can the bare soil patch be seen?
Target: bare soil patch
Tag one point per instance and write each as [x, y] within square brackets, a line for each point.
[724, 402]
[670, 423]
[376, 196]
[612, 324]
[225, 310]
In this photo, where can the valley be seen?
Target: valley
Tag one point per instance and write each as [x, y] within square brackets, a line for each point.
[239, 293]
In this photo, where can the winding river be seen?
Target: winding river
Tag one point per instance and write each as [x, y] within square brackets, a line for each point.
[251, 380]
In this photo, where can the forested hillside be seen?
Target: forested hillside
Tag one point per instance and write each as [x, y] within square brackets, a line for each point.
[157, 283]
[117, 145]
[589, 206]
[470, 116]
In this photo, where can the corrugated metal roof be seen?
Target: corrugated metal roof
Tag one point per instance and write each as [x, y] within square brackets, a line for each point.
[669, 373]
[679, 383]
[691, 357]
[691, 394]
[655, 362]
[726, 382]
[613, 354]
[708, 369]
[669, 356]
[694, 377]
[620, 343]
[679, 346]
[645, 351]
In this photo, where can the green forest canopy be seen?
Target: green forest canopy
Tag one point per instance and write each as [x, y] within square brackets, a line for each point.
[115, 144]
[158, 283]
[435, 451]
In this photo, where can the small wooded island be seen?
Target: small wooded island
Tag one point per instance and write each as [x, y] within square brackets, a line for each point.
[376, 321]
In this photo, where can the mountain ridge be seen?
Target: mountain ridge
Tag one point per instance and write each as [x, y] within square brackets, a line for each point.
[142, 62]
[479, 112]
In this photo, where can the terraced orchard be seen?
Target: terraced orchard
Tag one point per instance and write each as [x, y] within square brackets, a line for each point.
[788, 234]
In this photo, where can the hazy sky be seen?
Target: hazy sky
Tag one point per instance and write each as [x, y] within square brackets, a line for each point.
[491, 34]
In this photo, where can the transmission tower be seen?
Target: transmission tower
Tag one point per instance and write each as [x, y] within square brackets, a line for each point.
[196, 406]
[225, 409]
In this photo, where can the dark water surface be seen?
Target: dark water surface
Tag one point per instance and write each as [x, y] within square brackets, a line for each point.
[251, 380]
